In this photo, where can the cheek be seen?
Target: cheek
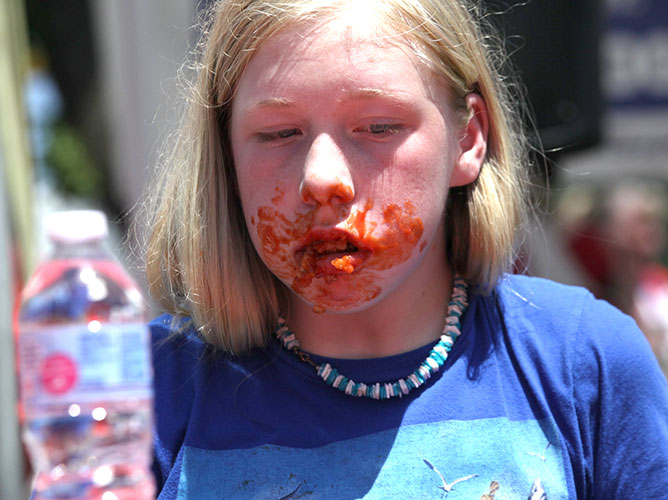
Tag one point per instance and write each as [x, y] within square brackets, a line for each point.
[421, 169]
[401, 231]
[274, 234]
[424, 192]
[261, 192]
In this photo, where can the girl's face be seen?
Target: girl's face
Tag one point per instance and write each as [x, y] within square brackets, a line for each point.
[344, 149]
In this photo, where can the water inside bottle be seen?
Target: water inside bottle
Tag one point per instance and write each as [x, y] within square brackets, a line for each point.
[86, 380]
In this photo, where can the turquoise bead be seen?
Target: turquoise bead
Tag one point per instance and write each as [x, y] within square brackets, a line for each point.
[437, 357]
[419, 376]
[332, 376]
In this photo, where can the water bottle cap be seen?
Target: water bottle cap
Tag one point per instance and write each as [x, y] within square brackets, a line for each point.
[76, 226]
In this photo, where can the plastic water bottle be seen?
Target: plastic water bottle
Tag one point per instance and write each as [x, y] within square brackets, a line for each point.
[85, 369]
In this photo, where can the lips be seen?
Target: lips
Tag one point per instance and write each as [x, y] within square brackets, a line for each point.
[328, 254]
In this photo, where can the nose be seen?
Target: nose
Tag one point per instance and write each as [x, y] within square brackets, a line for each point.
[327, 179]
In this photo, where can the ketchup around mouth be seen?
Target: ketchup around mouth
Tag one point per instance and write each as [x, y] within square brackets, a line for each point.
[341, 254]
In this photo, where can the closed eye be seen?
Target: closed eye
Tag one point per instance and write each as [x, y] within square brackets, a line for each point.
[277, 136]
[380, 129]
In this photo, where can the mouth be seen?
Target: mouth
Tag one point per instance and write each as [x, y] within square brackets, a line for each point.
[329, 254]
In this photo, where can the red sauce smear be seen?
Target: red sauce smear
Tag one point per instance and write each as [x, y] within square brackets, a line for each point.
[312, 274]
[345, 264]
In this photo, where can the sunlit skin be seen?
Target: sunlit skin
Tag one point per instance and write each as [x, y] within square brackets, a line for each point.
[344, 149]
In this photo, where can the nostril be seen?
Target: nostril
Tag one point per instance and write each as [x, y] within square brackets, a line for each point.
[305, 192]
[325, 193]
[344, 193]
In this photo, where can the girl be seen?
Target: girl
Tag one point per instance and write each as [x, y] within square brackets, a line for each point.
[331, 239]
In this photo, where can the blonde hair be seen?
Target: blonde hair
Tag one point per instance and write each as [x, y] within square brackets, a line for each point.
[200, 259]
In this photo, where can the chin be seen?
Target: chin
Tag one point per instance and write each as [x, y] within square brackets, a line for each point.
[346, 294]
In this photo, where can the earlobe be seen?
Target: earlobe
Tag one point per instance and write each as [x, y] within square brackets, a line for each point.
[472, 143]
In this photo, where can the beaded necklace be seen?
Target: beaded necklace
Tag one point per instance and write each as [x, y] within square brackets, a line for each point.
[435, 359]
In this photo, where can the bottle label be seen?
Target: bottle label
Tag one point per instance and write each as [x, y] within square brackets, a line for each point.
[85, 363]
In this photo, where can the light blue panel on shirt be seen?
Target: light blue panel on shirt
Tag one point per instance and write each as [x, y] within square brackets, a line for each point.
[451, 459]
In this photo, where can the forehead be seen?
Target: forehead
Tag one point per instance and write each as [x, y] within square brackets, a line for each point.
[358, 42]
[346, 25]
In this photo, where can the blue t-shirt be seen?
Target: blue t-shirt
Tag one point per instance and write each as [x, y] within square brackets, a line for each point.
[548, 393]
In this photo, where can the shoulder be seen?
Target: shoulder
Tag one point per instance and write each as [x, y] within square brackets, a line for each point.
[182, 359]
[179, 375]
[168, 328]
[187, 367]
[573, 326]
[177, 347]
[588, 347]
[559, 309]
[176, 351]
[598, 364]
[539, 296]
[591, 336]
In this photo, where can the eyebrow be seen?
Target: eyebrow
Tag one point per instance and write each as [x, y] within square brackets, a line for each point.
[272, 102]
[372, 93]
[361, 94]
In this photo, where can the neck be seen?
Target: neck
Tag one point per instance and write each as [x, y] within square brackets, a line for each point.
[410, 317]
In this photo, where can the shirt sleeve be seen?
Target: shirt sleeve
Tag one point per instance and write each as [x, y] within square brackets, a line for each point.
[622, 405]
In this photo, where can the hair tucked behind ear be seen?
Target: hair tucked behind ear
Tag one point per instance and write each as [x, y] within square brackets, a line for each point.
[484, 218]
[199, 256]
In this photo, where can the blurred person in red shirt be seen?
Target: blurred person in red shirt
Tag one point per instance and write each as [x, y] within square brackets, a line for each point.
[636, 215]
[619, 246]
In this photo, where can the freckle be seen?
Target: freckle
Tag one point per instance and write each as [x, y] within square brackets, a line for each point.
[318, 309]
[252, 220]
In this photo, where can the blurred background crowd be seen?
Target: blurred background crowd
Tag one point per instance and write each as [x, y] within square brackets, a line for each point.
[88, 90]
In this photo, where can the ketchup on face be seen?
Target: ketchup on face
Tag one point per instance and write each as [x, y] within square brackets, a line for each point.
[330, 258]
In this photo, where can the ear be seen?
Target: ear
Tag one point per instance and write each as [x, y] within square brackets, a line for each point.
[472, 143]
